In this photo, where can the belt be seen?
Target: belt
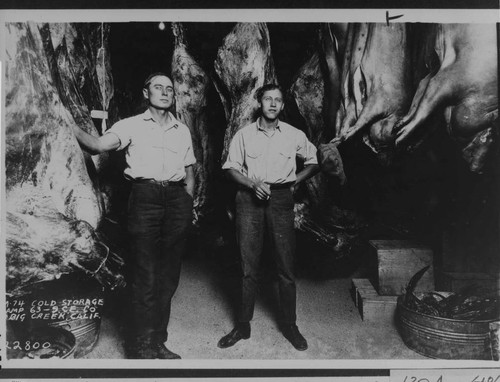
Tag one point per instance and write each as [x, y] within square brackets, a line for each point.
[273, 186]
[164, 183]
[280, 186]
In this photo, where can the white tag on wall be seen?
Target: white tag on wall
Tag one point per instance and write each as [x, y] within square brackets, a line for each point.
[101, 114]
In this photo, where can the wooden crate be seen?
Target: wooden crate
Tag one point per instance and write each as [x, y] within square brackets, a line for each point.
[358, 285]
[398, 261]
[375, 308]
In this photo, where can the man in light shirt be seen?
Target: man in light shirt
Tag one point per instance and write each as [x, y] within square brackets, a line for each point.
[159, 156]
[262, 161]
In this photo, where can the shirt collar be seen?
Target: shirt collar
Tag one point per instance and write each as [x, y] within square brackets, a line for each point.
[172, 121]
[147, 115]
[278, 126]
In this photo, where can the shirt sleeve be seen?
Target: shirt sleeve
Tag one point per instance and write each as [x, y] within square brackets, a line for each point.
[122, 131]
[305, 149]
[236, 154]
[189, 158]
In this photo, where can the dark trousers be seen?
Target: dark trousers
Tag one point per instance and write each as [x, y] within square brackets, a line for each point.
[276, 216]
[158, 221]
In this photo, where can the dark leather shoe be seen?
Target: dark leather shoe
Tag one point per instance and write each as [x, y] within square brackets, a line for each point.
[142, 349]
[163, 352]
[240, 332]
[292, 334]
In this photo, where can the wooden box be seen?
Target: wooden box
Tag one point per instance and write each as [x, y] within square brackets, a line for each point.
[373, 307]
[398, 261]
[359, 285]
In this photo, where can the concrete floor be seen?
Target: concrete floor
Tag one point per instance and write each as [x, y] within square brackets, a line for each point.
[202, 312]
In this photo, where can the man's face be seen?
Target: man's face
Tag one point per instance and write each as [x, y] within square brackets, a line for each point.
[271, 104]
[160, 93]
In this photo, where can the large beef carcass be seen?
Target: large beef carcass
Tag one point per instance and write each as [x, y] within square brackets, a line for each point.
[81, 69]
[376, 85]
[79, 61]
[44, 244]
[461, 88]
[333, 49]
[464, 86]
[243, 64]
[39, 140]
[308, 91]
[315, 91]
[316, 88]
[48, 189]
[191, 87]
[333, 38]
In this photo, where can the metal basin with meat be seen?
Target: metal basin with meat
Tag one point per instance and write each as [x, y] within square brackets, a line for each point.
[444, 338]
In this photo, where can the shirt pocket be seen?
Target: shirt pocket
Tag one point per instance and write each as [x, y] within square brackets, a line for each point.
[173, 153]
[253, 153]
[148, 139]
[283, 163]
[173, 147]
[254, 162]
[285, 154]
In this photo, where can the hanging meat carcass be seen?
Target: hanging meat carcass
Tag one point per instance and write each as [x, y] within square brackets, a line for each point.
[49, 194]
[39, 140]
[317, 213]
[191, 88]
[243, 64]
[311, 92]
[44, 244]
[333, 38]
[80, 65]
[79, 61]
[333, 49]
[376, 85]
[308, 91]
[464, 86]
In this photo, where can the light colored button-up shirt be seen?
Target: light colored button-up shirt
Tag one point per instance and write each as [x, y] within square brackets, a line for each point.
[269, 156]
[154, 151]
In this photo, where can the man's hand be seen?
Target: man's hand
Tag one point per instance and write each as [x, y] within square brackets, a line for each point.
[261, 189]
[190, 180]
[96, 145]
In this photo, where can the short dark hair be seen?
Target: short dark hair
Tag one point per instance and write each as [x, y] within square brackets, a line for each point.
[153, 75]
[260, 91]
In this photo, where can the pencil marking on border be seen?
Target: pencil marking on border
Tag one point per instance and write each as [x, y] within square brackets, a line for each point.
[389, 18]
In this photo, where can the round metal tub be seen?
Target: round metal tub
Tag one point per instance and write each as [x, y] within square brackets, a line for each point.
[443, 338]
[86, 333]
